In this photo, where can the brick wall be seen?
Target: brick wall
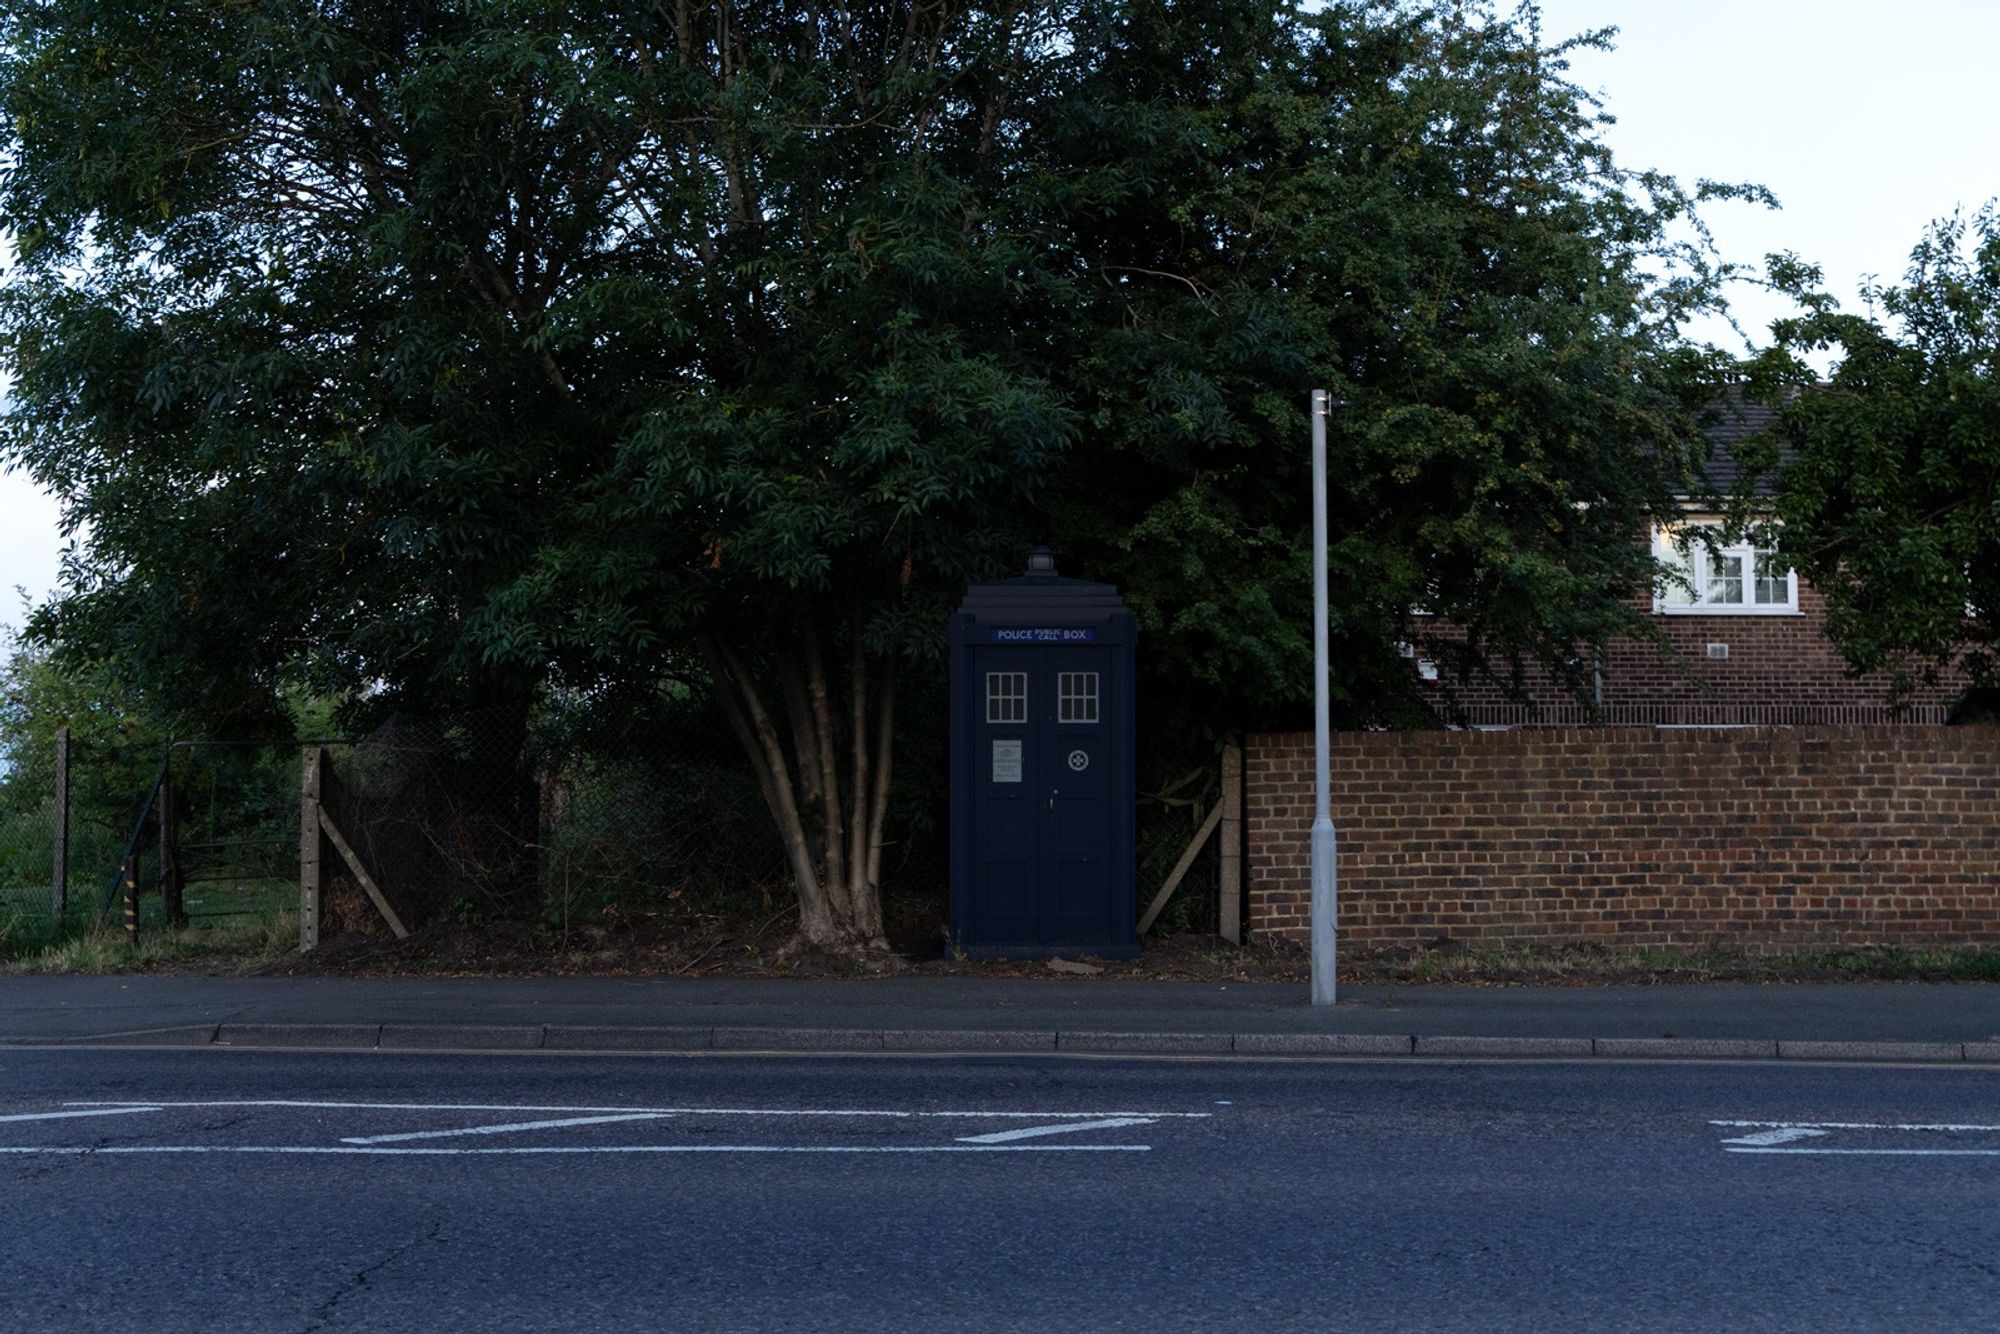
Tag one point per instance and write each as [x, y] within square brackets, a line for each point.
[1753, 837]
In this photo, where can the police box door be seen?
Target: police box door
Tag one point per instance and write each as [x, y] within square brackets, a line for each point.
[1044, 762]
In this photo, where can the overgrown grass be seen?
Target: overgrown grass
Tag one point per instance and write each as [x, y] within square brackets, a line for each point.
[23, 932]
[245, 947]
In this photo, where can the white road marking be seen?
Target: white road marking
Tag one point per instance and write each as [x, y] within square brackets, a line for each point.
[64, 1116]
[131, 1149]
[1779, 1135]
[1946, 1127]
[140, 1104]
[1882, 1153]
[1064, 1128]
[507, 1129]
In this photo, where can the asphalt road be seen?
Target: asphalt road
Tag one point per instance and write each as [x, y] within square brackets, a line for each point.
[237, 1190]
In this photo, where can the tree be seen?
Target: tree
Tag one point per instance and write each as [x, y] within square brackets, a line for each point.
[446, 353]
[1888, 473]
[1410, 206]
[450, 354]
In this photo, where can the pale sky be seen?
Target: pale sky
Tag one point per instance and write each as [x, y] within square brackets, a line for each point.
[1866, 119]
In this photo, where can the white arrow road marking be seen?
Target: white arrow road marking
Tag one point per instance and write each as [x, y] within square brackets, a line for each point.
[508, 1129]
[1774, 1137]
[1944, 1127]
[1882, 1153]
[1066, 1128]
[64, 1116]
[1762, 1139]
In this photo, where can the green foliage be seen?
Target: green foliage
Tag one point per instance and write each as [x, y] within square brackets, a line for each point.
[117, 744]
[427, 351]
[1410, 206]
[435, 355]
[1889, 483]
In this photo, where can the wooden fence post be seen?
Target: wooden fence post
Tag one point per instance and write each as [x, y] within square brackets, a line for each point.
[309, 843]
[59, 871]
[1230, 910]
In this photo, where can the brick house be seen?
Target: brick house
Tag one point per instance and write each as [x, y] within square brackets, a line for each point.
[1748, 640]
[1750, 792]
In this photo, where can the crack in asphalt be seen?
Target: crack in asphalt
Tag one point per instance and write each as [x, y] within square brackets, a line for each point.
[359, 1281]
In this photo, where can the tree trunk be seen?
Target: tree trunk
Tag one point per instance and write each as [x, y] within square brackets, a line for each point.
[831, 823]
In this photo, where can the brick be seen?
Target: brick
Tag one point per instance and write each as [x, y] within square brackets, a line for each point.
[1780, 838]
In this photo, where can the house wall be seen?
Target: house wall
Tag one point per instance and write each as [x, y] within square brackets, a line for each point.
[1754, 837]
[1781, 669]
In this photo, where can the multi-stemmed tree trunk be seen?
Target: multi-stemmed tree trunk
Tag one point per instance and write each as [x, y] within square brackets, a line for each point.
[820, 741]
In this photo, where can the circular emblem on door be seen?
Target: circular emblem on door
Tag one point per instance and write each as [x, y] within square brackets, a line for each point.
[1079, 760]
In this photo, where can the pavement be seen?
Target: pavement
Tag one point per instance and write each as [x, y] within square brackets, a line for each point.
[1892, 1022]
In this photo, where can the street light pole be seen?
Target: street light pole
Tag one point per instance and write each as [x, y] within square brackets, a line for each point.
[1325, 876]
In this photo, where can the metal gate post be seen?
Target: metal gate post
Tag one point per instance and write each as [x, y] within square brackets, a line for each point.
[131, 886]
[59, 871]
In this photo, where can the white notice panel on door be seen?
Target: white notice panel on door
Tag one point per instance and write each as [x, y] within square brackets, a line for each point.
[1007, 761]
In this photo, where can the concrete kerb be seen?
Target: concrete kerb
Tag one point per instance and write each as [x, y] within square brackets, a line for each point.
[631, 1039]
[571, 1037]
[1141, 1043]
[463, 1037]
[1749, 1049]
[186, 1035]
[317, 1036]
[1871, 1051]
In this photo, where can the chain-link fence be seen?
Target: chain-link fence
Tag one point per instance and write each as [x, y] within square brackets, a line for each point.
[588, 811]
[231, 826]
[576, 813]
[33, 807]
[570, 814]
[205, 833]
[67, 815]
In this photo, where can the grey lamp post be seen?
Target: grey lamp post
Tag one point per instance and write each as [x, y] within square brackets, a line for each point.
[1325, 874]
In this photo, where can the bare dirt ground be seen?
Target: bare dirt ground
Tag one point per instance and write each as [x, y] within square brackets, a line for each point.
[719, 946]
[724, 947]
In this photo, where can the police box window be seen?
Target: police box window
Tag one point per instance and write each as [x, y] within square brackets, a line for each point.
[1077, 694]
[1006, 697]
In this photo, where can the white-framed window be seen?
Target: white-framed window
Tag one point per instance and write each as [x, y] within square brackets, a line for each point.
[1006, 697]
[1076, 697]
[1695, 579]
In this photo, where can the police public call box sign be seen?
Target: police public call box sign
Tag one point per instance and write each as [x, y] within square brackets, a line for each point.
[1066, 634]
[1043, 771]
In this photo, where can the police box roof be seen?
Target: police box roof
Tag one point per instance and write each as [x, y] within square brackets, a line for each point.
[1042, 597]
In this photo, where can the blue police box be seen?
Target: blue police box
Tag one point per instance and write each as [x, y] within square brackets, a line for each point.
[1042, 768]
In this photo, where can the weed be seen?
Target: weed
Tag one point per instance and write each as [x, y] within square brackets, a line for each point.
[108, 950]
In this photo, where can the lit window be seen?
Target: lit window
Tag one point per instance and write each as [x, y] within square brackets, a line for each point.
[1693, 578]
